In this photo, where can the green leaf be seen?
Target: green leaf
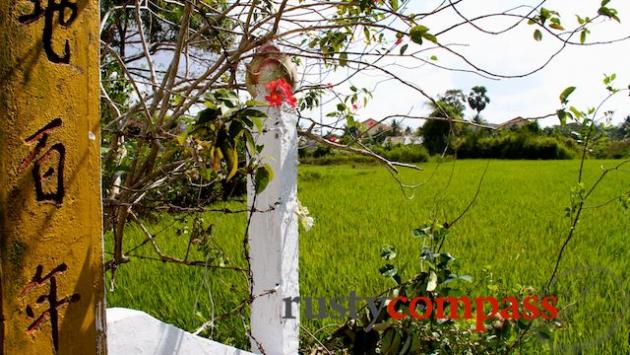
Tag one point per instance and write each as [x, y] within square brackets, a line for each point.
[434, 58]
[430, 37]
[580, 20]
[564, 96]
[236, 128]
[264, 175]
[583, 36]
[388, 252]
[544, 14]
[231, 158]
[252, 103]
[407, 346]
[608, 12]
[557, 26]
[208, 115]
[423, 231]
[419, 233]
[417, 33]
[608, 79]
[391, 342]
[544, 333]
[403, 49]
[562, 116]
[575, 112]
[258, 122]
[388, 270]
[343, 59]
[538, 35]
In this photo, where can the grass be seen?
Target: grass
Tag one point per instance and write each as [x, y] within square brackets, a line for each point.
[512, 234]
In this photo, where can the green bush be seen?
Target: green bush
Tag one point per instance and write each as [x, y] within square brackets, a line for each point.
[403, 153]
[612, 149]
[618, 149]
[336, 159]
[513, 145]
[400, 153]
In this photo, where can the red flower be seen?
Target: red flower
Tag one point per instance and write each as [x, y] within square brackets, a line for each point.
[292, 101]
[399, 40]
[274, 99]
[280, 90]
[355, 107]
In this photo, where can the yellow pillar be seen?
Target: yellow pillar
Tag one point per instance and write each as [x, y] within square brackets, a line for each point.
[51, 269]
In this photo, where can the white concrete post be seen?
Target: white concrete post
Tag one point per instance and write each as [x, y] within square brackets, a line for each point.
[273, 236]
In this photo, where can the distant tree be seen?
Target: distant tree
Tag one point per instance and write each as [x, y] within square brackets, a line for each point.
[396, 129]
[351, 132]
[408, 131]
[624, 128]
[477, 100]
[436, 132]
[532, 127]
[418, 132]
[479, 120]
[456, 100]
[378, 137]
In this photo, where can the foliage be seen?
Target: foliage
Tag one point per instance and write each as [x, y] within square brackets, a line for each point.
[400, 153]
[513, 145]
[395, 128]
[437, 133]
[404, 153]
[432, 334]
[338, 159]
[624, 128]
[205, 159]
[611, 149]
[322, 155]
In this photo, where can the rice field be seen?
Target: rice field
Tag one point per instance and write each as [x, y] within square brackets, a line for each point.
[510, 236]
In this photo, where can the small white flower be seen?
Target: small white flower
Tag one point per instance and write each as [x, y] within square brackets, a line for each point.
[304, 218]
[307, 223]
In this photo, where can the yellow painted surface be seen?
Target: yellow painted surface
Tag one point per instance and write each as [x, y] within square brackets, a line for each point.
[50, 235]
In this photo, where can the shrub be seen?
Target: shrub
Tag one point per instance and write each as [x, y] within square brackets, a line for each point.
[400, 153]
[612, 149]
[339, 158]
[513, 145]
[404, 153]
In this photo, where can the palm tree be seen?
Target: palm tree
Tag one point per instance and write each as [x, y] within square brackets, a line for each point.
[477, 100]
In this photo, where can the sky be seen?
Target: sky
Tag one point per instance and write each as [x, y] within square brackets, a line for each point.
[513, 53]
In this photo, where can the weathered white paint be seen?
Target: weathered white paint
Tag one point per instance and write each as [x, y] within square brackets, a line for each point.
[131, 332]
[273, 237]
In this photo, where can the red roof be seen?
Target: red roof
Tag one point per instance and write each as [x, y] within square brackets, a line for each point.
[370, 122]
